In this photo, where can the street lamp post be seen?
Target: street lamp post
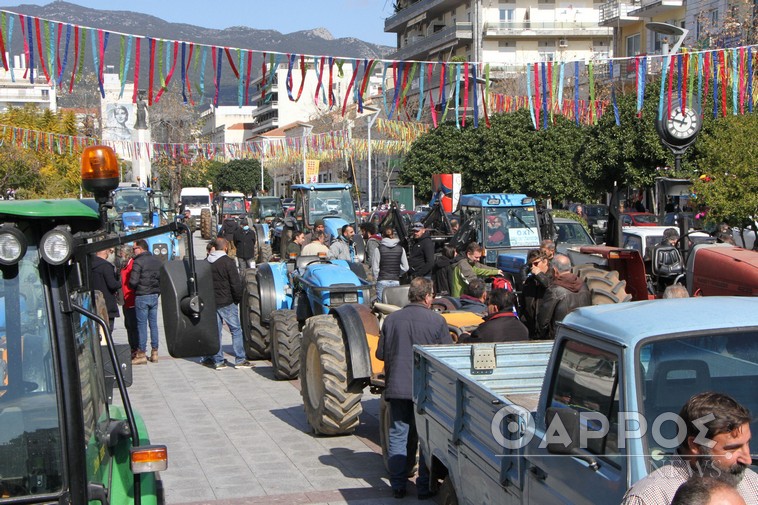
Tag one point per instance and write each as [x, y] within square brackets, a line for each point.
[371, 119]
[306, 131]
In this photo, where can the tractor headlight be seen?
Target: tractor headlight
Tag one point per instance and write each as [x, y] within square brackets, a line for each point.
[57, 247]
[12, 245]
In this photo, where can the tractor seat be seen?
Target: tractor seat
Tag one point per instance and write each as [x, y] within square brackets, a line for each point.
[396, 295]
[302, 261]
[667, 261]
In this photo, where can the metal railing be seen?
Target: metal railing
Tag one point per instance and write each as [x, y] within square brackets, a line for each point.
[423, 44]
[412, 11]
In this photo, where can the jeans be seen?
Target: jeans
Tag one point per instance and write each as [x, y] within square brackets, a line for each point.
[244, 264]
[146, 307]
[130, 323]
[402, 424]
[380, 285]
[230, 315]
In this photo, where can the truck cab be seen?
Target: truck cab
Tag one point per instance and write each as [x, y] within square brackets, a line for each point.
[581, 419]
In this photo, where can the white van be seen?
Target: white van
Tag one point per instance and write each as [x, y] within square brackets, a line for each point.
[195, 199]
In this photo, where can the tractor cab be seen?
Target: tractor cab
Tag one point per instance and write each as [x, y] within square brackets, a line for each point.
[61, 438]
[331, 203]
[506, 225]
[134, 207]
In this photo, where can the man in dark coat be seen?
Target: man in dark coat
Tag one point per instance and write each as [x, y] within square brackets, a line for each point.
[145, 281]
[421, 257]
[473, 299]
[105, 279]
[413, 324]
[565, 293]
[536, 280]
[227, 290]
[501, 325]
[228, 227]
[244, 241]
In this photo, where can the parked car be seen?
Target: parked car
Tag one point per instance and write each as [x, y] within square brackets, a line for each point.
[639, 219]
[570, 233]
[672, 218]
[644, 238]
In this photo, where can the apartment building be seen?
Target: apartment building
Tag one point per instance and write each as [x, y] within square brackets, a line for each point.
[17, 91]
[226, 124]
[277, 109]
[508, 32]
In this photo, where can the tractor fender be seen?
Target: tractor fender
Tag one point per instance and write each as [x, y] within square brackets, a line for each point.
[358, 325]
[333, 225]
[262, 234]
[274, 288]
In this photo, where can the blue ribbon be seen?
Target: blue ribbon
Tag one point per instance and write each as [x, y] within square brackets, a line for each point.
[613, 95]
[735, 82]
[203, 59]
[543, 71]
[31, 48]
[476, 97]
[11, 21]
[288, 82]
[398, 85]
[576, 92]
[51, 51]
[700, 83]
[457, 93]
[679, 62]
[184, 72]
[126, 64]
[357, 84]
[750, 79]
[241, 83]
[641, 83]
[65, 54]
[384, 91]
[715, 85]
[560, 85]
[664, 72]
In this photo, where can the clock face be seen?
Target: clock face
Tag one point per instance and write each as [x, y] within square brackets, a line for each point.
[683, 125]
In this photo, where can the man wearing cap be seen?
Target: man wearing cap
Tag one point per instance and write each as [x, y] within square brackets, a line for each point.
[319, 226]
[421, 257]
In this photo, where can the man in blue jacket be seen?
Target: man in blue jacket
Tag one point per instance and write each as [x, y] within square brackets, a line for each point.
[413, 324]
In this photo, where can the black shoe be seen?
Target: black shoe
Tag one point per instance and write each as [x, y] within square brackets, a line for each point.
[219, 366]
[244, 364]
[427, 495]
[398, 493]
[207, 362]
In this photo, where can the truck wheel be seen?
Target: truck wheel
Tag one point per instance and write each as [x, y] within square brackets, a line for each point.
[384, 437]
[330, 408]
[264, 253]
[447, 493]
[285, 344]
[605, 286]
[256, 338]
[205, 224]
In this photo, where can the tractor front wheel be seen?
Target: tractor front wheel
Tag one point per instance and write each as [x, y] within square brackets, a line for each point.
[256, 336]
[285, 344]
[206, 224]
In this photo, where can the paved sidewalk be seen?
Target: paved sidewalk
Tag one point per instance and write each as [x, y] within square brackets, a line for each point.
[240, 437]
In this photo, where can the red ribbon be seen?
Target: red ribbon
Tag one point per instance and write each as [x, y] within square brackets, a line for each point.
[722, 70]
[550, 85]
[742, 80]
[350, 86]
[231, 62]
[170, 73]
[2, 49]
[331, 77]
[101, 50]
[186, 72]
[247, 76]
[432, 107]
[57, 50]
[263, 78]
[41, 49]
[706, 73]
[686, 65]
[319, 76]
[76, 59]
[670, 90]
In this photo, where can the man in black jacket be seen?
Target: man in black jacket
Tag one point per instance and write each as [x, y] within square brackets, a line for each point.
[413, 324]
[106, 280]
[244, 241]
[227, 290]
[501, 325]
[421, 257]
[145, 281]
[565, 293]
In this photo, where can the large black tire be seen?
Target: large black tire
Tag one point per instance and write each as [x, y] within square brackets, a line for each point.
[206, 224]
[285, 344]
[329, 407]
[447, 494]
[101, 309]
[605, 286]
[264, 253]
[256, 336]
[384, 436]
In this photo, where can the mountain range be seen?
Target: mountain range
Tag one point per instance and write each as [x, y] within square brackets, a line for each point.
[317, 41]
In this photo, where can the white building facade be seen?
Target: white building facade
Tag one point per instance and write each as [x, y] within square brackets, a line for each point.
[17, 91]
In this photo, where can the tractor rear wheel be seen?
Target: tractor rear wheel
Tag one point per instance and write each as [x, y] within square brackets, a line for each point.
[384, 437]
[264, 253]
[256, 336]
[329, 407]
[285, 344]
[206, 224]
[605, 286]
[447, 494]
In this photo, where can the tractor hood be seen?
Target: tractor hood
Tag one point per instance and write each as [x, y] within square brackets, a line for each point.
[328, 274]
[132, 219]
[512, 260]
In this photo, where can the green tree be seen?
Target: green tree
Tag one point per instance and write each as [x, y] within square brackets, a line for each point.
[240, 175]
[726, 158]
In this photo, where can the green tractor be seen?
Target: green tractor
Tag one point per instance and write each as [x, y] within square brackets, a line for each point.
[61, 439]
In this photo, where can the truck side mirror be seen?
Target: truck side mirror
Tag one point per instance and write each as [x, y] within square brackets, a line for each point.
[189, 323]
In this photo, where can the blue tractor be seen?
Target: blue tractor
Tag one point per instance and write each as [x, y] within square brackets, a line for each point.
[506, 225]
[134, 210]
[279, 297]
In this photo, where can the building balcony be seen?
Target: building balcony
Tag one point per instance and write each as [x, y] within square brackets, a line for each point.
[545, 29]
[416, 12]
[617, 13]
[422, 46]
[265, 107]
[652, 8]
[264, 126]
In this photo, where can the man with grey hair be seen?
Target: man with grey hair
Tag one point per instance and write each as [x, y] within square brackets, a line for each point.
[565, 293]
[707, 491]
[675, 291]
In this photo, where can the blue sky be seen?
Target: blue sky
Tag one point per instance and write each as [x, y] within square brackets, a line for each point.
[363, 19]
